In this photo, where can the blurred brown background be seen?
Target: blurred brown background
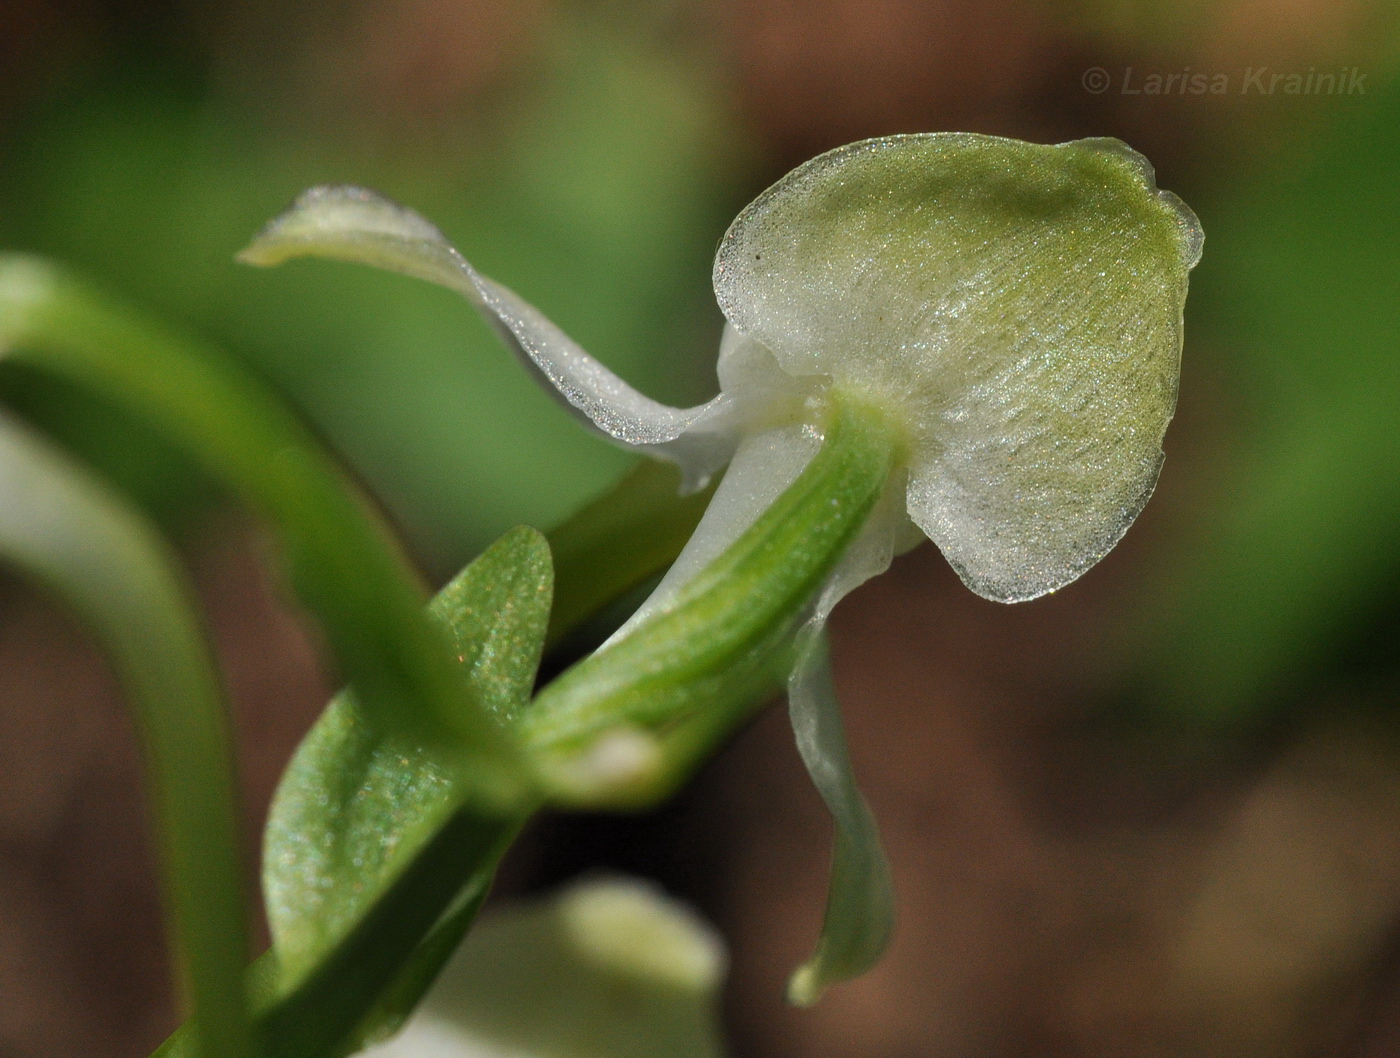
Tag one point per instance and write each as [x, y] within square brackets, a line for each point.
[1155, 814]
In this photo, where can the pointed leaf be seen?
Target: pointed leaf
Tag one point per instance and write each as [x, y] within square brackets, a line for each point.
[358, 803]
[376, 861]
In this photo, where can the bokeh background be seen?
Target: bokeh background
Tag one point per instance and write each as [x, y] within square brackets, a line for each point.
[1156, 814]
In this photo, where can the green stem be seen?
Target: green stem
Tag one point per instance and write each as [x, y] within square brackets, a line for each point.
[61, 526]
[764, 581]
[692, 671]
[341, 561]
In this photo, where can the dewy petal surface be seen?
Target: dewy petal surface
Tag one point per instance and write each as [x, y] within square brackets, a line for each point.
[354, 224]
[1017, 305]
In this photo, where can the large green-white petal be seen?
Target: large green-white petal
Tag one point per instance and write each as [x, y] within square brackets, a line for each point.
[1017, 305]
[355, 224]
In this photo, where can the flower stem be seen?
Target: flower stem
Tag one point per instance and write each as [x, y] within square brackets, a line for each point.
[627, 724]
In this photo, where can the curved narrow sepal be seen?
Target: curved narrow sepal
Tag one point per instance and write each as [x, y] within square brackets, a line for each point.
[354, 224]
[860, 903]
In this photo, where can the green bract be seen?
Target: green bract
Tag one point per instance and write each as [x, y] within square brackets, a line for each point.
[358, 802]
[965, 337]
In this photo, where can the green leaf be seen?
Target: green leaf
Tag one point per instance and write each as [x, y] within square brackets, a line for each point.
[377, 961]
[419, 972]
[341, 561]
[61, 526]
[349, 963]
[606, 969]
[327, 1008]
[358, 802]
[495, 614]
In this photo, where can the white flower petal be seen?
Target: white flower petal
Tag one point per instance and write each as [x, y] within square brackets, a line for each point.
[1017, 305]
[887, 532]
[354, 224]
[860, 901]
[763, 467]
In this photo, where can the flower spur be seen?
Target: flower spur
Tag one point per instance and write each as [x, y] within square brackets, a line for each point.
[949, 335]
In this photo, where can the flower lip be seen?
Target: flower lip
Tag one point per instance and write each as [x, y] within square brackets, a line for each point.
[1019, 305]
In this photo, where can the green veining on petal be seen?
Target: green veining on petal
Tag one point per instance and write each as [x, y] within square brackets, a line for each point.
[1018, 305]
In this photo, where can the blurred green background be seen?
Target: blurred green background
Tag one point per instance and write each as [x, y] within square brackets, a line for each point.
[589, 155]
[590, 169]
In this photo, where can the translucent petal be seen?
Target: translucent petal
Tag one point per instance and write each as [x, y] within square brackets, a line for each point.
[354, 224]
[1018, 305]
[763, 467]
[887, 532]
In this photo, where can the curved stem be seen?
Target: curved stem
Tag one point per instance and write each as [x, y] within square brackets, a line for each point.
[341, 561]
[62, 527]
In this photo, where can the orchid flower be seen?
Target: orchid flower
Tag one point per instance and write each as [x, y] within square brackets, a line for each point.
[949, 335]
